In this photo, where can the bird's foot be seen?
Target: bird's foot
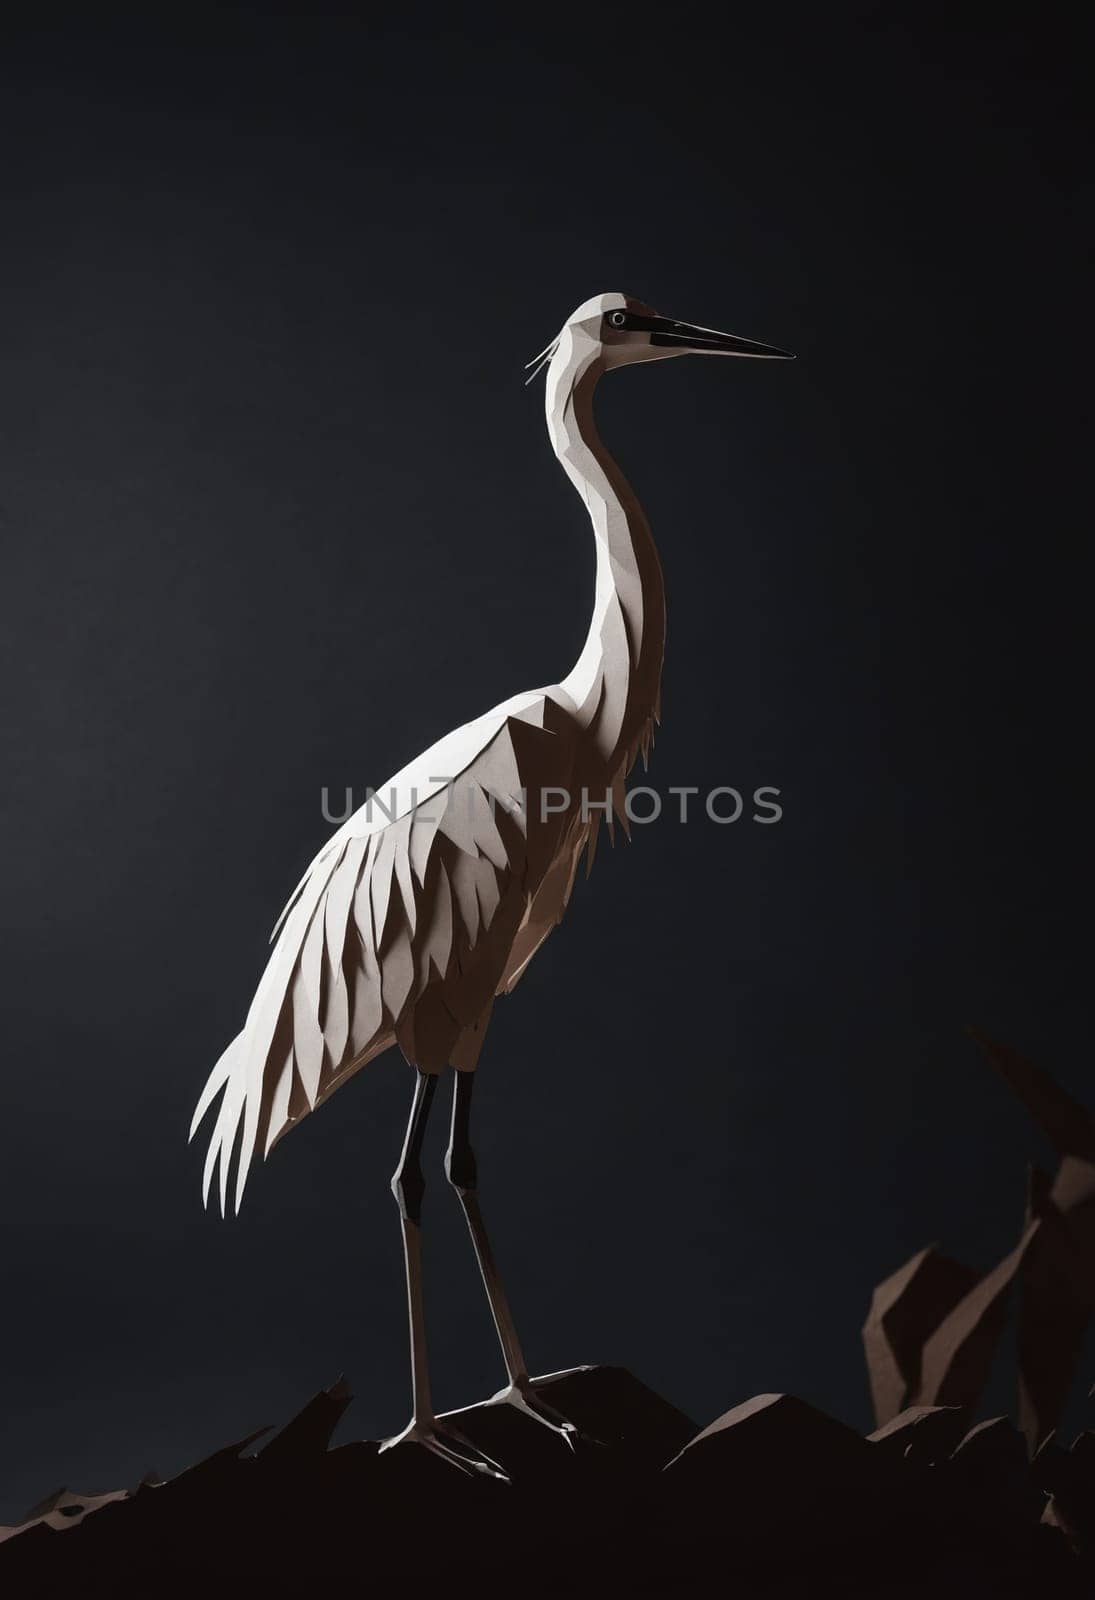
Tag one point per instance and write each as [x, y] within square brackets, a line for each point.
[522, 1396]
[451, 1445]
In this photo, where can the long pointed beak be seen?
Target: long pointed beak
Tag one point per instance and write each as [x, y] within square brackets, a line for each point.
[707, 341]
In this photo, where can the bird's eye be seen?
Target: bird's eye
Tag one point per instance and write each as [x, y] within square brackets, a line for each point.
[616, 319]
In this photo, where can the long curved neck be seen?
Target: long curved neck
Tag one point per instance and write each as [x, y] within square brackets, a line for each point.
[616, 680]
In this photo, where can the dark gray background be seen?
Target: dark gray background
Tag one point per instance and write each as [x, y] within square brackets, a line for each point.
[277, 512]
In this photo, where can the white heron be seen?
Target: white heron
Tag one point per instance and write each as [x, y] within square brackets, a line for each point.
[433, 898]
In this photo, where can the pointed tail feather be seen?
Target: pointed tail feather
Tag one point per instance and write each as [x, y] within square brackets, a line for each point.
[223, 1136]
[215, 1083]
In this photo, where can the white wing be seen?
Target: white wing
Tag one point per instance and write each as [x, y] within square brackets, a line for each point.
[401, 929]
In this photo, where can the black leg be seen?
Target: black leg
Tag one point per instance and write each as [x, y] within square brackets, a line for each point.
[460, 1169]
[408, 1186]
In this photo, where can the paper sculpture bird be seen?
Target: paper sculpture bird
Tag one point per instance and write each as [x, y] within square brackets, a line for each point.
[431, 900]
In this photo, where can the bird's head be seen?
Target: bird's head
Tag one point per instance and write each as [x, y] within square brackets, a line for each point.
[626, 331]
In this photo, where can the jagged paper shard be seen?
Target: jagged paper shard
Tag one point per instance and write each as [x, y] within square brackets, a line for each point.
[1057, 1295]
[1068, 1125]
[956, 1358]
[934, 1326]
[922, 1433]
[905, 1309]
[775, 1492]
